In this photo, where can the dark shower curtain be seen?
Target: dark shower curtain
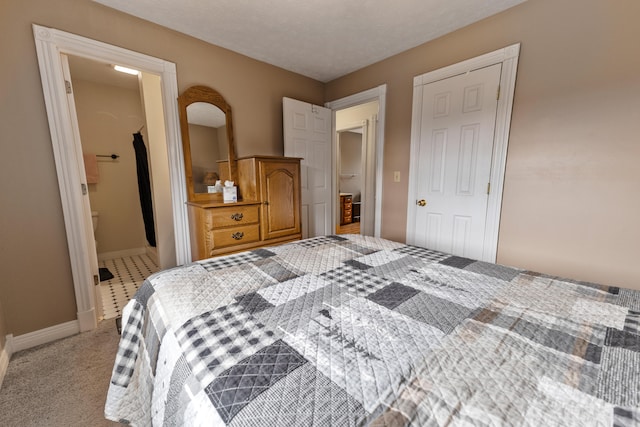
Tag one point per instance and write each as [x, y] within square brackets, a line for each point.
[144, 187]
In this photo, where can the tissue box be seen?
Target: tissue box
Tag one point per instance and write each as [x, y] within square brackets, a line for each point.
[230, 194]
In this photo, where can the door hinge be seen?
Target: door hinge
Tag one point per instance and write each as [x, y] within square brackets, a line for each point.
[488, 187]
[96, 280]
[498, 94]
[67, 86]
[84, 189]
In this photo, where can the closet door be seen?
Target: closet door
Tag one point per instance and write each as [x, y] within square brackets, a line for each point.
[456, 129]
[280, 190]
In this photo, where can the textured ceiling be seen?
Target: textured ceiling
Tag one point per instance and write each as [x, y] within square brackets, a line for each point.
[323, 40]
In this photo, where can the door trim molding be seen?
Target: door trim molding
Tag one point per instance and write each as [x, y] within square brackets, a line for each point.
[50, 43]
[378, 93]
[508, 57]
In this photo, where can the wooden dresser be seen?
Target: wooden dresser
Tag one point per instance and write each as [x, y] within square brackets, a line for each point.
[267, 213]
[346, 209]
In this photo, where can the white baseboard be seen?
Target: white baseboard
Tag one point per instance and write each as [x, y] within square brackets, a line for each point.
[87, 320]
[5, 356]
[121, 254]
[43, 336]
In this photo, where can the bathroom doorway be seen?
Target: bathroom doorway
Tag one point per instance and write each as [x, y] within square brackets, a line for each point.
[110, 115]
[162, 124]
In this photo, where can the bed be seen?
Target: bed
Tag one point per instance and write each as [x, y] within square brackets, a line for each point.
[354, 330]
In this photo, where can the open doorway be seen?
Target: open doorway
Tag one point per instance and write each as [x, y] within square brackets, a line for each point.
[160, 92]
[350, 179]
[364, 114]
[356, 162]
[311, 133]
[110, 112]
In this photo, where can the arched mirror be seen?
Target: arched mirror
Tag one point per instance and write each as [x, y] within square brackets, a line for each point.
[207, 139]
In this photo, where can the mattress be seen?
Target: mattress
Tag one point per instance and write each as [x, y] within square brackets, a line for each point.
[354, 330]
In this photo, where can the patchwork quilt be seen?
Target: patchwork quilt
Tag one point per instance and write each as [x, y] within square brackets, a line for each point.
[354, 330]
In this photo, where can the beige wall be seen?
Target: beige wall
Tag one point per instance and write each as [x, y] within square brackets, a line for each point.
[571, 202]
[107, 117]
[350, 170]
[36, 287]
[3, 331]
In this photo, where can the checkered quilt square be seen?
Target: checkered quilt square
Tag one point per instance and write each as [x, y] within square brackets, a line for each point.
[218, 339]
[242, 258]
[129, 345]
[319, 241]
[422, 253]
[356, 280]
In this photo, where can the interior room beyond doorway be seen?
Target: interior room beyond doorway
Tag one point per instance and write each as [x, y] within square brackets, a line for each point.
[356, 168]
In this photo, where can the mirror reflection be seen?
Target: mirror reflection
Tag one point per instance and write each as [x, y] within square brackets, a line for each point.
[207, 140]
[209, 144]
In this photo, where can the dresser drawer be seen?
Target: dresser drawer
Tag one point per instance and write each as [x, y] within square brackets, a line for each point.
[235, 235]
[233, 216]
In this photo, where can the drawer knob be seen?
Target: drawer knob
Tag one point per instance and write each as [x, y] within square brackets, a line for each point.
[238, 235]
[237, 216]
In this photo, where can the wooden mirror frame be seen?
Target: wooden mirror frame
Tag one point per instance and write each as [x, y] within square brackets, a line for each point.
[211, 96]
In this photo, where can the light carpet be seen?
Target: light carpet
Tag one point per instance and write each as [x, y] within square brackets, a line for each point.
[63, 383]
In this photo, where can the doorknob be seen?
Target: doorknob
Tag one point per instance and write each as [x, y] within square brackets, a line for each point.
[421, 202]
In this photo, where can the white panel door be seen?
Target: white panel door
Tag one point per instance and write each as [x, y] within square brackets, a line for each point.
[457, 125]
[307, 134]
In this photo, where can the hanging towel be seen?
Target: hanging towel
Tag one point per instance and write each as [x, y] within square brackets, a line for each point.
[91, 168]
[144, 187]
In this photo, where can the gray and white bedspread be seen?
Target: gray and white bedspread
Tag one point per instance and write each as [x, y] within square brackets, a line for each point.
[353, 330]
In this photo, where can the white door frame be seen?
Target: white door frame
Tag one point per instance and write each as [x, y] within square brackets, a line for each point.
[375, 94]
[50, 43]
[508, 56]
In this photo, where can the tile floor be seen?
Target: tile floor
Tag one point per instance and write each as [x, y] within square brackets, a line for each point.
[129, 273]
